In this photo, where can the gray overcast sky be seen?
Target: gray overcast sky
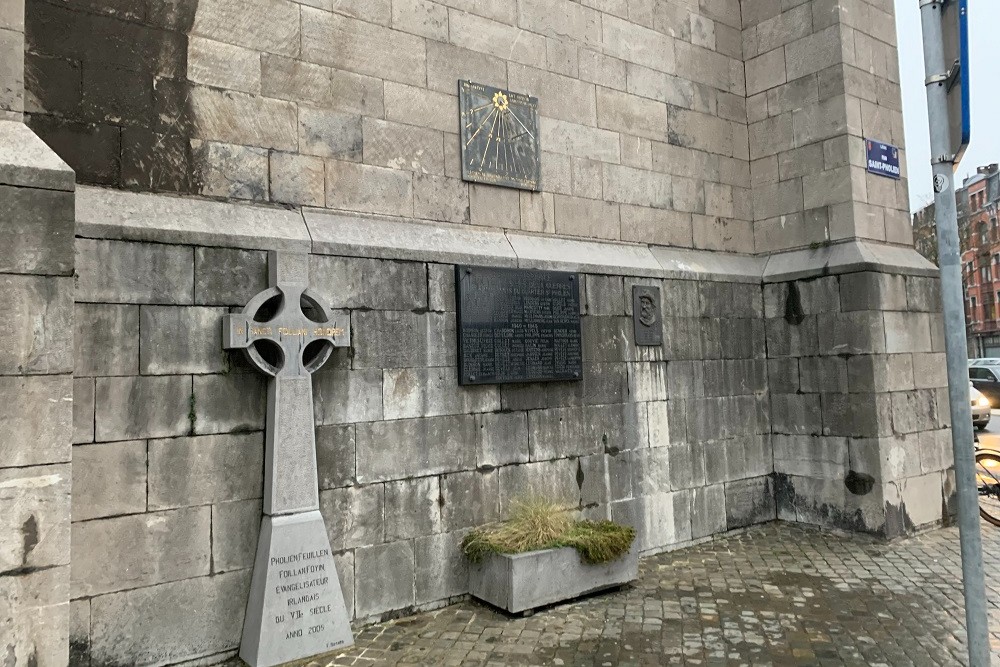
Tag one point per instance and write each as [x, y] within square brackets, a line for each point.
[984, 22]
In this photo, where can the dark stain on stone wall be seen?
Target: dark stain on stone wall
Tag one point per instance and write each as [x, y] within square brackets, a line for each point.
[106, 88]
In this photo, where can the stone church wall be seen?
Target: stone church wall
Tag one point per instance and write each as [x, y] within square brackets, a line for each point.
[168, 426]
[353, 106]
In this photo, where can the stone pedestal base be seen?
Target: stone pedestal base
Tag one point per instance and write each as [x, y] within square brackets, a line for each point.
[296, 607]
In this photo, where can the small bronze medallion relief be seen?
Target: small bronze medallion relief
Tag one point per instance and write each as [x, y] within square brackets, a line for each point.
[647, 318]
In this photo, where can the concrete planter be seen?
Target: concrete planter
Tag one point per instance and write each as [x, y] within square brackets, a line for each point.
[520, 582]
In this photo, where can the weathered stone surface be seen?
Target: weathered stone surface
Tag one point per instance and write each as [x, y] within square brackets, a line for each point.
[404, 340]
[330, 134]
[83, 410]
[121, 272]
[128, 408]
[29, 162]
[204, 470]
[415, 447]
[344, 396]
[129, 626]
[335, 456]
[229, 402]
[36, 502]
[235, 526]
[231, 171]
[384, 578]
[503, 439]
[176, 340]
[412, 508]
[36, 410]
[468, 499]
[365, 48]
[349, 282]
[106, 339]
[36, 226]
[37, 325]
[109, 479]
[553, 480]
[428, 392]
[36, 616]
[147, 549]
[749, 501]
[368, 189]
[340, 507]
[441, 569]
[297, 179]
[228, 276]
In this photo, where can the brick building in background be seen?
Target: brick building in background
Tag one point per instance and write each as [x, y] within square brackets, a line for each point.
[979, 230]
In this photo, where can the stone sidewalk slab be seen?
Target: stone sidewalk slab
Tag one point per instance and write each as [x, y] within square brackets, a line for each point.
[774, 595]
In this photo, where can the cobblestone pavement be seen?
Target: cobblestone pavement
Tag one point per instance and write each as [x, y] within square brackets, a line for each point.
[775, 595]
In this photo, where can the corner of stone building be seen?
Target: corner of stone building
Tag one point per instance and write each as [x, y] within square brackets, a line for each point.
[36, 375]
[860, 417]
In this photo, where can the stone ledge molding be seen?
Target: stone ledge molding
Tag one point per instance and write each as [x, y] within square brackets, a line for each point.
[158, 218]
[26, 161]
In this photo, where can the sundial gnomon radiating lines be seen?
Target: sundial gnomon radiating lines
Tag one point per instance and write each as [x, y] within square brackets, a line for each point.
[499, 136]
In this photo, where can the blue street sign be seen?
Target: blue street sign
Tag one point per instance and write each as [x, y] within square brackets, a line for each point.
[955, 29]
[882, 159]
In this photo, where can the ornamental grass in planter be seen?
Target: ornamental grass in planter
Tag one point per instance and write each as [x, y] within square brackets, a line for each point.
[543, 555]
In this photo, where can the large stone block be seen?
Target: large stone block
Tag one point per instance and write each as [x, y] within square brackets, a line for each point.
[562, 432]
[384, 578]
[35, 521]
[124, 272]
[128, 626]
[230, 171]
[354, 516]
[708, 511]
[349, 282]
[335, 456]
[861, 332]
[412, 508]
[469, 499]
[176, 340]
[347, 396]
[83, 410]
[36, 414]
[297, 179]
[204, 470]
[36, 228]
[235, 526]
[663, 519]
[139, 550]
[228, 276]
[395, 339]
[428, 392]
[907, 332]
[331, 134]
[365, 48]
[109, 479]
[35, 617]
[230, 402]
[106, 339]
[750, 501]
[441, 569]
[872, 291]
[362, 187]
[415, 447]
[241, 119]
[503, 439]
[129, 408]
[556, 481]
[37, 325]
[811, 456]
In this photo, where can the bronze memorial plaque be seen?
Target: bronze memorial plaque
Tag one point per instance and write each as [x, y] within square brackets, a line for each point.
[517, 325]
[647, 318]
[499, 137]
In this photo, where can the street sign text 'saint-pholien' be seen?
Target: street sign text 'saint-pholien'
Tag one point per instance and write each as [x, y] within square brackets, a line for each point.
[882, 159]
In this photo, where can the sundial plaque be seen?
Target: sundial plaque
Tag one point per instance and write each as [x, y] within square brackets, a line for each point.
[499, 137]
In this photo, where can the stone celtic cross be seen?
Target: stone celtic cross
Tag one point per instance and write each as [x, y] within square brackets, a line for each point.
[296, 608]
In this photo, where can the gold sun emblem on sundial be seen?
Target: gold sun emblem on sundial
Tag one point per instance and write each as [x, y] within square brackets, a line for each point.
[499, 136]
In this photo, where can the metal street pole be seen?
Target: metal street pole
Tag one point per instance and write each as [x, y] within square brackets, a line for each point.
[953, 296]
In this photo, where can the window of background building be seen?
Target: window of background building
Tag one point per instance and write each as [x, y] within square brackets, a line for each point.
[972, 307]
[983, 233]
[984, 273]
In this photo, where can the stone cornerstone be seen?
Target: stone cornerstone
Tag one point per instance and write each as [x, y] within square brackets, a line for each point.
[711, 148]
